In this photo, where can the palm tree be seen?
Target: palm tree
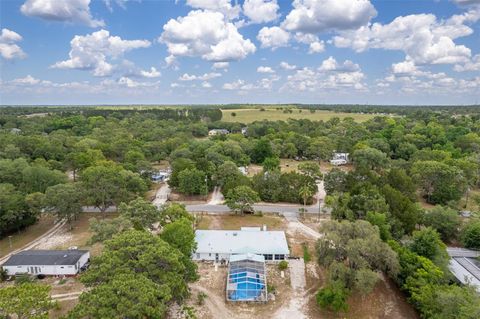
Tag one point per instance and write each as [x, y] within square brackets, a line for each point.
[305, 192]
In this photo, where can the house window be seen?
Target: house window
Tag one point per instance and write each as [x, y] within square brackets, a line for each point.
[279, 257]
[268, 257]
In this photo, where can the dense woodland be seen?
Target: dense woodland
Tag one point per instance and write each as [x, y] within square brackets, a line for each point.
[58, 159]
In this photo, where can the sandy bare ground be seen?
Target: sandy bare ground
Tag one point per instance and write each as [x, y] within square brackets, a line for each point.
[67, 296]
[295, 226]
[215, 304]
[55, 240]
[296, 306]
[38, 241]
[217, 197]
[161, 196]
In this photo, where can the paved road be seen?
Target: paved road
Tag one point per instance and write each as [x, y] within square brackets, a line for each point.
[274, 208]
[215, 206]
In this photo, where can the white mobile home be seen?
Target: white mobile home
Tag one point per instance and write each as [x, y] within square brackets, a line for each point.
[47, 262]
[339, 159]
[217, 131]
[219, 245]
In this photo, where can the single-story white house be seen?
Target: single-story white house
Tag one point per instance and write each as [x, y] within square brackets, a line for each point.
[47, 262]
[216, 131]
[219, 245]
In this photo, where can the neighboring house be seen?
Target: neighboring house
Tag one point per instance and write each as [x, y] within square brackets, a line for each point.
[161, 176]
[220, 245]
[465, 266]
[243, 170]
[15, 131]
[339, 159]
[47, 262]
[216, 131]
[244, 130]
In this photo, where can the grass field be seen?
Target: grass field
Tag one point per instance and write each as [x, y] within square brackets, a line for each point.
[251, 115]
[27, 235]
[234, 222]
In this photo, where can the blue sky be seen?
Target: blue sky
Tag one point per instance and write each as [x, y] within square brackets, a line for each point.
[252, 51]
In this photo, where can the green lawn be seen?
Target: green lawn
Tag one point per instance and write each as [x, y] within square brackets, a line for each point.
[251, 115]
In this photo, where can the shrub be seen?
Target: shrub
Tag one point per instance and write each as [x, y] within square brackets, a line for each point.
[471, 235]
[333, 297]
[283, 265]
[271, 289]
[3, 274]
[23, 279]
[306, 253]
[201, 298]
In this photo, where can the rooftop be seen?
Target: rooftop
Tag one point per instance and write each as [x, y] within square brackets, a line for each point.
[241, 242]
[464, 266]
[45, 257]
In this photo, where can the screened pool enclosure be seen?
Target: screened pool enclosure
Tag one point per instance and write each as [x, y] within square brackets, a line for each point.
[247, 278]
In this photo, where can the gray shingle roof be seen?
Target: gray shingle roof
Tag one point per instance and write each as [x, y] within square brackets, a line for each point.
[45, 257]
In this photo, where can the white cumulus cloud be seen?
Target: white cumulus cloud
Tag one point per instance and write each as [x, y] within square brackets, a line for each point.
[220, 65]
[315, 16]
[91, 52]
[331, 64]
[423, 38]
[261, 11]
[8, 48]
[471, 65]
[203, 77]
[223, 6]
[72, 11]
[286, 66]
[265, 69]
[273, 37]
[153, 73]
[205, 34]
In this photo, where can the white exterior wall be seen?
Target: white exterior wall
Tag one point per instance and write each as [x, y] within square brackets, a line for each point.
[50, 270]
[211, 257]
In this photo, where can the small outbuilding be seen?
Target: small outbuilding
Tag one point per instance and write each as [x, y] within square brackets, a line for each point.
[47, 262]
[220, 245]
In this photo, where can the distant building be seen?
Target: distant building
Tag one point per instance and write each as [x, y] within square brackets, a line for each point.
[466, 213]
[161, 176]
[339, 159]
[220, 245]
[243, 170]
[47, 262]
[15, 130]
[244, 130]
[218, 131]
[465, 266]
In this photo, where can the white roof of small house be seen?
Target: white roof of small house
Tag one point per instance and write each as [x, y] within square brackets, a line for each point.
[45, 257]
[241, 242]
